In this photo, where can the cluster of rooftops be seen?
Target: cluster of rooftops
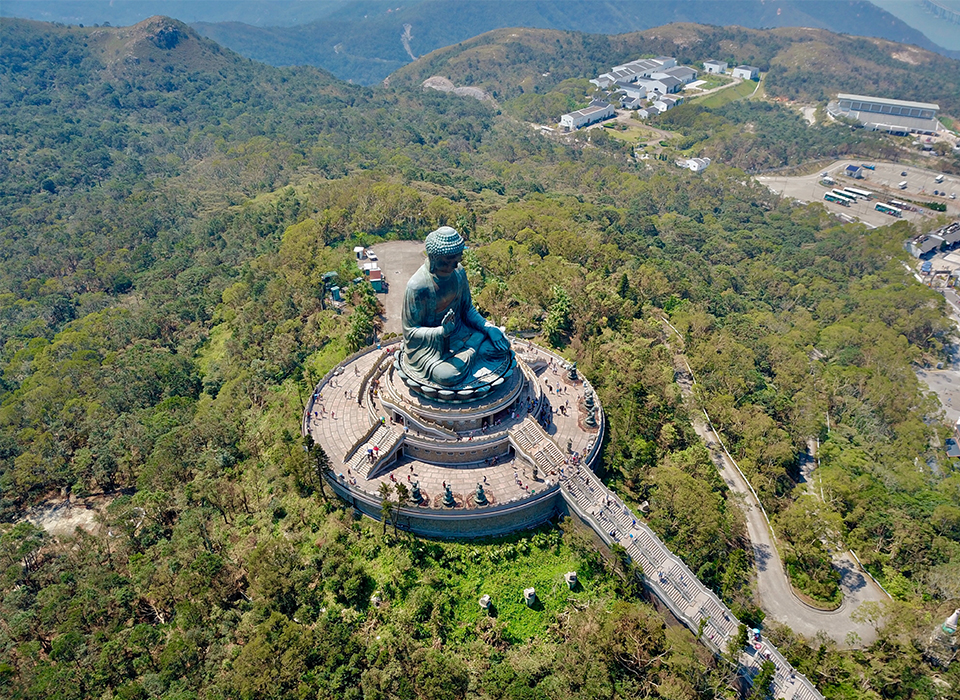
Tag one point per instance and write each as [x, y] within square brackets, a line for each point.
[943, 238]
[661, 71]
[648, 85]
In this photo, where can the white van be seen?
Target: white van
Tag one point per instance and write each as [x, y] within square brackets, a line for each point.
[903, 185]
[938, 178]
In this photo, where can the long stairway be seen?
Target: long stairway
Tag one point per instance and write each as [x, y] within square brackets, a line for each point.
[666, 575]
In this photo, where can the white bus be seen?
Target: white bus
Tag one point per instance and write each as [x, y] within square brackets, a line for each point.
[844, 195]
[862, 194]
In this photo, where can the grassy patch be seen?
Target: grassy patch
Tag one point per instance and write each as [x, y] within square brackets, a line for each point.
[501, 568]
[633, 132]
[711, 81]
[736, 92]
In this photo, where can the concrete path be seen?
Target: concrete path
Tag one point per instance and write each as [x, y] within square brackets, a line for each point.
[398, 260]
[773, 586]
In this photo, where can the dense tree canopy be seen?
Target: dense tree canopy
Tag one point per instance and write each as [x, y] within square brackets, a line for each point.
[163, 316]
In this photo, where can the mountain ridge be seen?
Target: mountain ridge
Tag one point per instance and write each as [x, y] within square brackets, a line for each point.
[367, 48]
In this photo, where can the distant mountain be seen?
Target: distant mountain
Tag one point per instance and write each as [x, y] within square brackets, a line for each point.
[275, 13]
[365, 42]
[803, 64]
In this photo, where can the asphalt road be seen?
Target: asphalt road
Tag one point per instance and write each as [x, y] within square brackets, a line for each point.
[773, 587]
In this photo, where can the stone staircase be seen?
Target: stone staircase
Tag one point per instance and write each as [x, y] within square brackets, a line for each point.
[537, 445]
[385, 439]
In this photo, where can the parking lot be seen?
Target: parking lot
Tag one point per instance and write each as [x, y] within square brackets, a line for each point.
[883, 182]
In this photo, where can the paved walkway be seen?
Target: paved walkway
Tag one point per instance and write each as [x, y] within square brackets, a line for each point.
[673, 583]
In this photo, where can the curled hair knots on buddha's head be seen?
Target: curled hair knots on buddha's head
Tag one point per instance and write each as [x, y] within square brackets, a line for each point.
[444, 241]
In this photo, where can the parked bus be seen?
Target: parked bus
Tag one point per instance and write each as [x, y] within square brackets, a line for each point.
[830, 197]
[902, 206]
[863, 194]
[849, 197]
[868, 167]
[903, 185]
[887, 209]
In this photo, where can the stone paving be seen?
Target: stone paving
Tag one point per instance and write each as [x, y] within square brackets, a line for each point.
[337, 422]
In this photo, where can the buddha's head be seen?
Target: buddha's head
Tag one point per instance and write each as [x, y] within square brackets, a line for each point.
[444, 250]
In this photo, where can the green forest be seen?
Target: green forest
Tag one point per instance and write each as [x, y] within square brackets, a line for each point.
[168, 210]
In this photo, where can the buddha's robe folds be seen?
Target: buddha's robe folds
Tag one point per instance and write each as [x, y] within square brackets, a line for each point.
[428, 355]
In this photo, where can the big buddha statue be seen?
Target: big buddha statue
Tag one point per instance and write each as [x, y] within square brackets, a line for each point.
[447, 344]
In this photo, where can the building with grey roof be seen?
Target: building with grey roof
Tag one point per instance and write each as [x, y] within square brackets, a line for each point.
[746, 72]
[636, 70]
[597, 111]
[632, 90]
[882, 114]
[684, 74]
[661, 83]
[715, 66]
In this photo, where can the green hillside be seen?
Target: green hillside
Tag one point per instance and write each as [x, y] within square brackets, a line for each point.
[801, 64]
[361, 42]
[167, 214]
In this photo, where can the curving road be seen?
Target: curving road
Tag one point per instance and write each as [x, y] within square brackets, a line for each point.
[773, 587]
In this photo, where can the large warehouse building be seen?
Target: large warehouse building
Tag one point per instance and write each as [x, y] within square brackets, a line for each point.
[881, 114]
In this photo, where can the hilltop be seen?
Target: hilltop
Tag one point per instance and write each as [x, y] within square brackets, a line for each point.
[170, 215]
[801, 64]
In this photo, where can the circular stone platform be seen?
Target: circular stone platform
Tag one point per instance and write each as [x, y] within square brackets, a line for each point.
[514, 439]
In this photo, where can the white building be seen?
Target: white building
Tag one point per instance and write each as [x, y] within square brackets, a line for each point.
[715, 66]
[632, 90]
[881, 114]
[667, 102]
[664, 84]
[746, 72]
[697, 165]
[634, 70]
[596, 112]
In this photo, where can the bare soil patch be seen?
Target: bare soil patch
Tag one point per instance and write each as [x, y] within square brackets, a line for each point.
[62, 516]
